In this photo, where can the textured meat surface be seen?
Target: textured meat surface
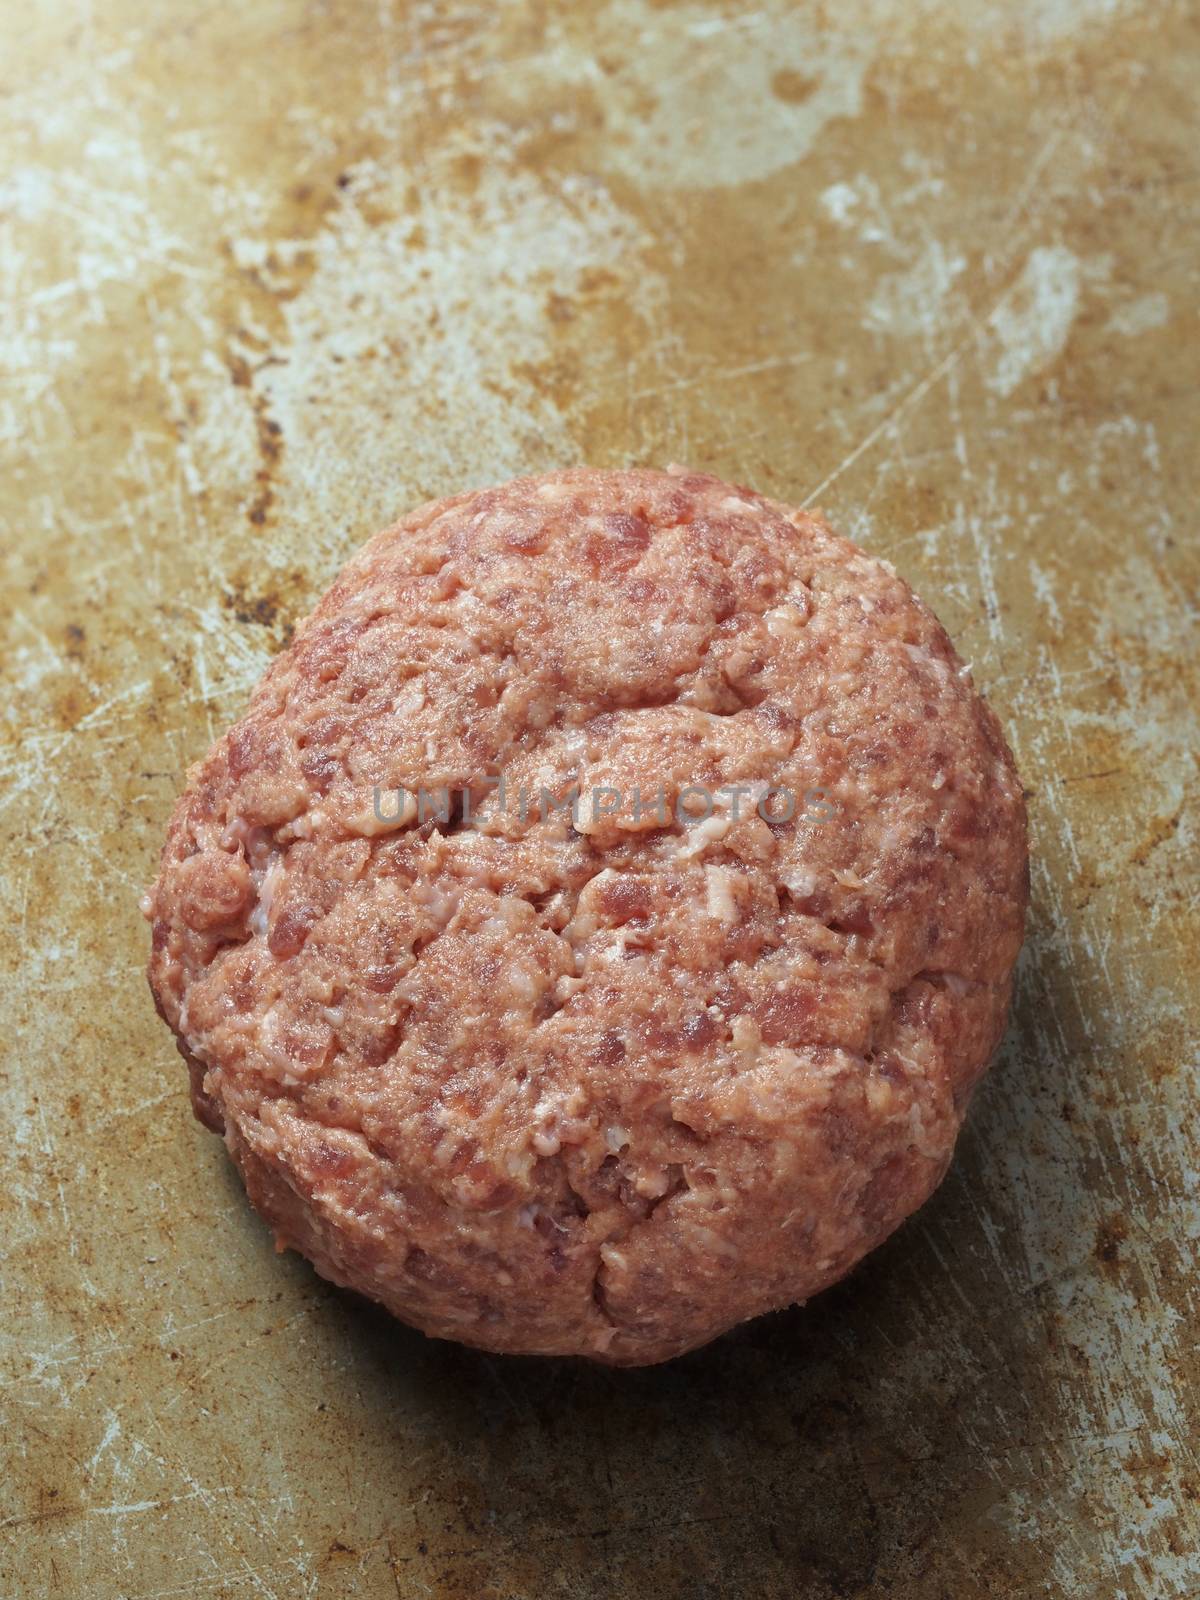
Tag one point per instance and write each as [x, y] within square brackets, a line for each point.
[603, 1081]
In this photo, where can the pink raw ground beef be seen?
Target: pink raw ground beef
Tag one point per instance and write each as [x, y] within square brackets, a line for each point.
[603, 1081]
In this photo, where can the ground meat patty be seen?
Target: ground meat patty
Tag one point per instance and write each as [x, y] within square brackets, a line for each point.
[670, 1027]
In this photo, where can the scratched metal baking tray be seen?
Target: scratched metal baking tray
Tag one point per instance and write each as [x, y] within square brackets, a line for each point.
[271, 275]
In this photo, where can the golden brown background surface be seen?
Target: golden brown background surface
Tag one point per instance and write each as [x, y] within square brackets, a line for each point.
[271, 274]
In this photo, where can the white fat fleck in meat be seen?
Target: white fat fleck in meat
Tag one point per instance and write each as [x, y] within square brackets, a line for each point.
[787, 621]
[593, 812]
[956, 983]
[616, 942]
[712, 1242]
[237, 831]
[696, 840]
[799, 882]
[411, 699]
[719, 886]
[925, 658]
[540, 711]
[881, 1095]
[652, 1182]
[924, 1142]
[567, 987]
[251, 839]
[523, 983]
[441, 899]
[268, 888]
[271, 1048]
[391, 812]
[548, 1127]
[301, 827]
[746, 1036]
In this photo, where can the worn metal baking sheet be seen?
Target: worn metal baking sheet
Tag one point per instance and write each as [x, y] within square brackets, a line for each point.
[271, 274]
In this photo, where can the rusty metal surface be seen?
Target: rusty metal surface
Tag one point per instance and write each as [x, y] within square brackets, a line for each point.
[270, 275]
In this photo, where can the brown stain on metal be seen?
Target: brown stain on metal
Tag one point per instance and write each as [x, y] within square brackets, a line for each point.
[1110, 1236]
[928, 267]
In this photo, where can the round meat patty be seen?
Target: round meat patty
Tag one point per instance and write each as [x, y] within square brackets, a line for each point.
[592, 933]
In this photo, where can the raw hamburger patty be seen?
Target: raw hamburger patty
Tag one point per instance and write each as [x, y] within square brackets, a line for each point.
[603, 1081]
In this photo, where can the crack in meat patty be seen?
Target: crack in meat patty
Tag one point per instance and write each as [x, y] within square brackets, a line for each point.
[607, 1050]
